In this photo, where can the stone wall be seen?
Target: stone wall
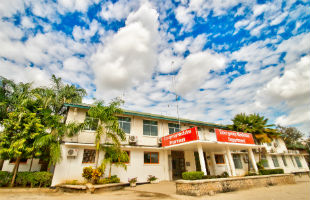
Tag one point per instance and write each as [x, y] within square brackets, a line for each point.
[211, 186]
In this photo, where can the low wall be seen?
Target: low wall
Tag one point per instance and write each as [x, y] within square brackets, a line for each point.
[211, 186]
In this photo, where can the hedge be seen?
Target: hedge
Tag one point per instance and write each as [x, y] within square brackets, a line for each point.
[271, 171]
[5, 178]
[192, 175]
[32, 179]
[223, 175]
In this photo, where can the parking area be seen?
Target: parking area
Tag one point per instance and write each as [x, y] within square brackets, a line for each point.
[164, 191]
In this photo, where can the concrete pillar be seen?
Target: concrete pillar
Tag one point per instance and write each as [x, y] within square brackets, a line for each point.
[252, 160]
[213, 162]
[166, 165]
[201, 159]
[231, 162]
[227, 165]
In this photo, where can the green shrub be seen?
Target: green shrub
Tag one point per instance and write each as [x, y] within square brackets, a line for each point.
[5, 178]
[223, 175]
[87, 173]
[192, 175]
[33, 179]
[251, 174]
[113, 179]
[271, 171]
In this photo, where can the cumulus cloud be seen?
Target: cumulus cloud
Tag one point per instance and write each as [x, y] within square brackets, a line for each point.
[196, 70]
[129, 56]
[291, 89]
[118, 10]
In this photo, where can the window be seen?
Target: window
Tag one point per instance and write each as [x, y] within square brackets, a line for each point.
[90, 123]
[124, 123]
[173, 128]
[150, 128]
[22, 160]
[284, 160]
[265, 161]
[237, 161]
[292, 161]
[151, 157]
[89, 156]
[275, 161]
[219, 159]
[298, 161]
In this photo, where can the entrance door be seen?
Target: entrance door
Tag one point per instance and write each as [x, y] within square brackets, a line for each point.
[178, 164]
[197, 162]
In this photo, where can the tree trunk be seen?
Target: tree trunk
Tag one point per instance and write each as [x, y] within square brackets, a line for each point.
[31, 164]
[97, 158]
[1, 164]
[110, 169]
[15, 170]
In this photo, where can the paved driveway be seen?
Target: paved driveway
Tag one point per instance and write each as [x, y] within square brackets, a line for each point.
[165, 191]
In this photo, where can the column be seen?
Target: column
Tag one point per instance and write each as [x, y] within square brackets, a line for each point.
[213, 162]
[252, 160]
[231, 162]
[166, 165]
[201, 159]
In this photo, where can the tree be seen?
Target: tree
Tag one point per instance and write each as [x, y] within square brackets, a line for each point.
[21, 128]
[255, 124]
[114, 156]
[290, 135]
[108, 128]
[52, 99]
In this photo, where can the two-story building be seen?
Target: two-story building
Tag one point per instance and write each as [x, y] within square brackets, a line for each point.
[150, 152]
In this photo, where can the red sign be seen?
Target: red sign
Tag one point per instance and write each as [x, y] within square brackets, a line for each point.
[180, 137]
[234, 137]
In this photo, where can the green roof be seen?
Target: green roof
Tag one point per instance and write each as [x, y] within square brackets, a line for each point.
[153, 116]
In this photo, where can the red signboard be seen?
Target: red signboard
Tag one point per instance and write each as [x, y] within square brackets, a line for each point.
[180, 137]
[234, 137]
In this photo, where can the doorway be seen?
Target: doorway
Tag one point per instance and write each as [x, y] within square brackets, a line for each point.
[178, 164]
[197, 162]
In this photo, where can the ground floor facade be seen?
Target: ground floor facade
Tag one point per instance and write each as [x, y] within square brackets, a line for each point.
[170, 163]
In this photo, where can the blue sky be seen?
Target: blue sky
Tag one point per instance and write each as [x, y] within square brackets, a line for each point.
[220, 57]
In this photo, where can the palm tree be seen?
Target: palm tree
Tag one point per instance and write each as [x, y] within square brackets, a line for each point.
[255, 124]
[108, 127]
[113, 156]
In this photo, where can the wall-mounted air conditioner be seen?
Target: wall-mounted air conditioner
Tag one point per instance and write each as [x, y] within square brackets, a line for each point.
[132, 139]
[72, 152]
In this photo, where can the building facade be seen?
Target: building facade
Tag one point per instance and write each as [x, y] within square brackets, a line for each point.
[147, 155]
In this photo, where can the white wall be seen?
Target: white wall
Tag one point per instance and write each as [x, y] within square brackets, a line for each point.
[22, 166]
[72, 168]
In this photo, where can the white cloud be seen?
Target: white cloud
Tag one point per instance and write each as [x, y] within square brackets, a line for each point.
[118, 10]
[196, 70]
[129, 56]
[292, 89]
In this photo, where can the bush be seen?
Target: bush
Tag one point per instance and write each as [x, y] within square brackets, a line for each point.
[5, 178]
[113, 179]
[251, 174]
[151, 178]
[33, 179]
[271, 171]
[223, 175]
[192, 175]
[87, 173]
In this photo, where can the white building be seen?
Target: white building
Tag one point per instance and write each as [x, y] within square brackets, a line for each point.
[149, 157]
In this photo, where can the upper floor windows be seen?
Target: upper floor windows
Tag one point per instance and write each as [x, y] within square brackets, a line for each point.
[173, 128]
[124, 123]
[91, 123]
[150, 128]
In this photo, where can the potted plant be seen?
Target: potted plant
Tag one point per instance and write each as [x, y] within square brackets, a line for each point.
[132, 181]
[152, 179]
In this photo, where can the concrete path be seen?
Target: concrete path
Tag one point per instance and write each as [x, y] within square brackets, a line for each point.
[165, 191]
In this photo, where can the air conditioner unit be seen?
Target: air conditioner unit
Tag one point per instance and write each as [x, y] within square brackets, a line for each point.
[132, 139]
[72, 152]
[275, 145]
